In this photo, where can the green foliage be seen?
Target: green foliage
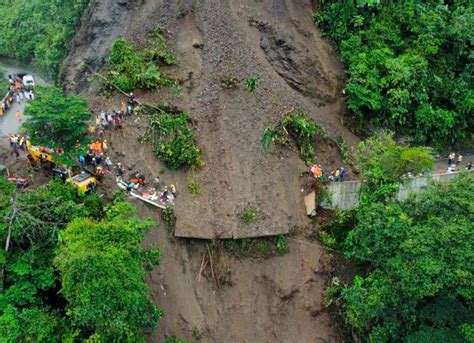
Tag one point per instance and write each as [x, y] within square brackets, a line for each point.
[173, 140]
[249, 215]
[169, 218]
[281, 244]
[294, 127]
[58, 121]
[103, 268]
[194, 187]
[409, 64]
[251, 82]
[419, 287]
[129, 67]
[30, 305]
[382, 163]
[39, 31]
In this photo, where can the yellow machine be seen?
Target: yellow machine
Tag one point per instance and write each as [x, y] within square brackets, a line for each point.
[40, 153]
[85, 182]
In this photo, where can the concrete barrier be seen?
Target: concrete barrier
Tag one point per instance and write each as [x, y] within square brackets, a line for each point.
[345, 195]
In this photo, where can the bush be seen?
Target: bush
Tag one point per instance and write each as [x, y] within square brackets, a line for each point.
[294, 127]
[129, 67]
[249, 215]
[251, 82]
[169, 218]
[173, 140]
[194, 187]
[408, 65]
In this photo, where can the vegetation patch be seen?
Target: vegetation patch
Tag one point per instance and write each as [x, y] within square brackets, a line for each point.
[249, 215]
[194, 187]
[417, 256]
[169, 218]
[73, 269]
[256, 247]
[58, 121]
[295, 128]
[229, 82]
[251, 82]
[382, 164]
[129, 67]
[408, 64]
[172, 140]
[39, 31]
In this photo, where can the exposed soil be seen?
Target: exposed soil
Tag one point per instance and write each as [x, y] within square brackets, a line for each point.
[276, 299]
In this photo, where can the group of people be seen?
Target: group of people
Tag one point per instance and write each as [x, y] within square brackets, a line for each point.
[107, 120]
[454, 162]
[320, 173]
[17, 92]
[16, 142]
[95, 158]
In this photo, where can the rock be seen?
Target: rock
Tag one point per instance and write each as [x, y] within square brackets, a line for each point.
[198, 45]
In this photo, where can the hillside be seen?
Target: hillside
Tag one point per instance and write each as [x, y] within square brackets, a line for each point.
[214, 40]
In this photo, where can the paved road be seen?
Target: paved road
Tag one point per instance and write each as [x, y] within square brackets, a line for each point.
[8, 122]
[441, 165]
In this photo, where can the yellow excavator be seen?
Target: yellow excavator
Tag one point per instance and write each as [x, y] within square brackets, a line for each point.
[84, 181]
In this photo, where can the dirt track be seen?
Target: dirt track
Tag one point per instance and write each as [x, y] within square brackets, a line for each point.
[276, 299]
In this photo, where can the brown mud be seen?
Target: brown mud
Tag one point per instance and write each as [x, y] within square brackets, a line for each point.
[276, 299]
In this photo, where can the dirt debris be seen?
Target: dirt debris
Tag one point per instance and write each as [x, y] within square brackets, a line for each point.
[280, 298]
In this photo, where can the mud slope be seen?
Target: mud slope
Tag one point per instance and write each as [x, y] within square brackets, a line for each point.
[279, 299]
[273, 38]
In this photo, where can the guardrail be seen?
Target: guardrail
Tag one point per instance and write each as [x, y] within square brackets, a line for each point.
[345, 195]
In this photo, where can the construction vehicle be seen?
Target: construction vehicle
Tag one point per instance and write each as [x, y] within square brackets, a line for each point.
[85, 182]
[40, 154]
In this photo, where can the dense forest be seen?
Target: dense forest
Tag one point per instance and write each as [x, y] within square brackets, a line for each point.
[39, 31]
[72, 267]
[413, 260]
[409, 65]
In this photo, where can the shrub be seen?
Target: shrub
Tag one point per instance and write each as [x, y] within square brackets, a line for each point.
[194, 187]
[173, 140]
[281, 244]
[169, 218]
[294, 127]
[249, 215]
[251, 82]
[129, 67]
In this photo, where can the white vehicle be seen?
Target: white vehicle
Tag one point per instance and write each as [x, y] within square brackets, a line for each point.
[28, 81]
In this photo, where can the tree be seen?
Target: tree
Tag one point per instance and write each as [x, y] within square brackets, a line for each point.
[382, 163]
[30, 306]
[420, 260]
[408, 65]
[39, 31]
[102, 269]
[58, 121]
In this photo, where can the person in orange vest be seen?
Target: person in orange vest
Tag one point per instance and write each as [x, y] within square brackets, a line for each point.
[18, 115]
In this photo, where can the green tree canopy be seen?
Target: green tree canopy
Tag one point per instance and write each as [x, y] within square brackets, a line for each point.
[382, 163]
[39, 30]
[102, 269]
[409, 64]
[58, 120]
[420, 287]
[29, 304]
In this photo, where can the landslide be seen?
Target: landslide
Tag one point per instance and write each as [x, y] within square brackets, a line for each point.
[274, 299]
[214, 40]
